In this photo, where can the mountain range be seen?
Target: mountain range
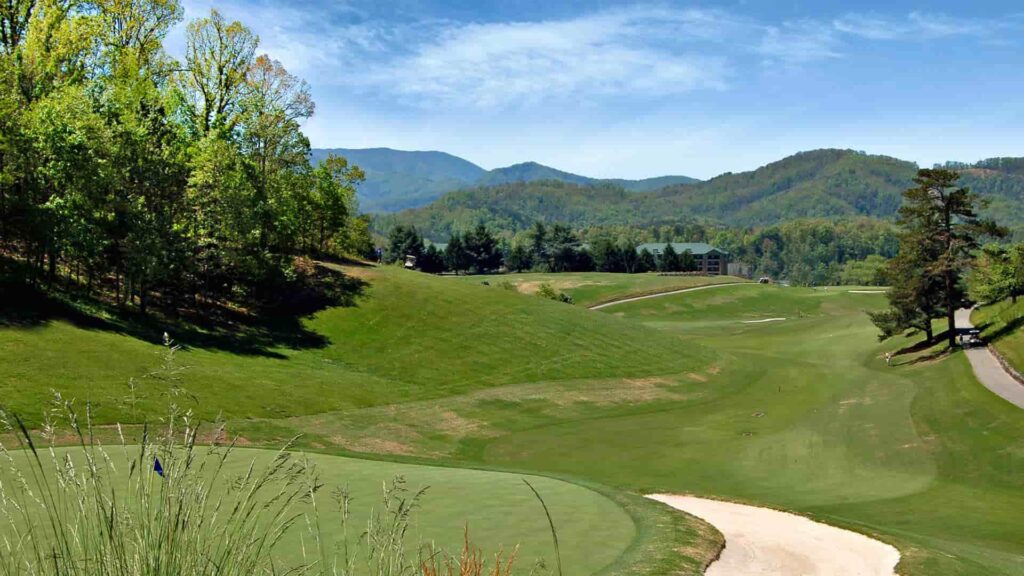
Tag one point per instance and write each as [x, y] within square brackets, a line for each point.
[400, 179]
[828, 183]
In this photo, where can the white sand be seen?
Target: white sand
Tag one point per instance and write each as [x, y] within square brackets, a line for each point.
[765, 320]
[866, 291]
[765, 542]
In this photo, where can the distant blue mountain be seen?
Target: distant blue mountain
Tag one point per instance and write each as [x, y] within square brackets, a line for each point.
[399, 179]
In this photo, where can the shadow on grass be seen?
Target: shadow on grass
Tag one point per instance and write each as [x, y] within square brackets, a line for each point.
[1002, 331]
[938, 340]
[214, 327]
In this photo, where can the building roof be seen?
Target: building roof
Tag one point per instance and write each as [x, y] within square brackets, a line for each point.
[695, 248]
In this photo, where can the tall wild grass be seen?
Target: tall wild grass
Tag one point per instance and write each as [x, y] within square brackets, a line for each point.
[165, 504]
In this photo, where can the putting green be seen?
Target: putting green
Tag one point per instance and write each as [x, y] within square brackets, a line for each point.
[499, 510]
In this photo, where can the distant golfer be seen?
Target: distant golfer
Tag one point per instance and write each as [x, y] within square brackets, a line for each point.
[888, 358]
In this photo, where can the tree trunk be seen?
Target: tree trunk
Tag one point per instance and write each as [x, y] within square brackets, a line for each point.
[928, 332]
[51, 266]
[950, 311]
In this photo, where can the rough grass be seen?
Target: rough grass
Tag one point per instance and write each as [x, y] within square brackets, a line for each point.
[1001, 326]
[455, 499]
[592, 288]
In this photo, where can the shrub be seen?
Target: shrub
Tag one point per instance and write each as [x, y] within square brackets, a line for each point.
[545, 290]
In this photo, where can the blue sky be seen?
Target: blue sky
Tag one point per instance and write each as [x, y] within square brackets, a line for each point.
[624, 89]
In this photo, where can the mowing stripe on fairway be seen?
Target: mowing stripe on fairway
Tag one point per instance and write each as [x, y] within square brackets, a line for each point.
[659, 295]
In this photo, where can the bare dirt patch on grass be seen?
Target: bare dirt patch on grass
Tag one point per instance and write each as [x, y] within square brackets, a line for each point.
[532, 286]
[435, 428]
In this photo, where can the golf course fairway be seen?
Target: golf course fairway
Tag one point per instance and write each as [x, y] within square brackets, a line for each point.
[804, 415]
[691, 393]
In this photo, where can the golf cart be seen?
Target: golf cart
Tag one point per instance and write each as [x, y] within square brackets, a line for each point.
[971, 338]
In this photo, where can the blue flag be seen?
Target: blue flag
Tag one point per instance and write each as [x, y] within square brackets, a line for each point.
[158, 468]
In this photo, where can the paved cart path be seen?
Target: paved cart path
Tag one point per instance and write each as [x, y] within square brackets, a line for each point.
[988, 369]
[766, 542]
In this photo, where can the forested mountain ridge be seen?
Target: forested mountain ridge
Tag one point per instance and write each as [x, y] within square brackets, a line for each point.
[828, 183]
[533, 172]
[400, 179]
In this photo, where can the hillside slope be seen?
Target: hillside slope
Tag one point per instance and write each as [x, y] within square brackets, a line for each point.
[818, 184]
[534, 172]
[399, 179]
[409, 336]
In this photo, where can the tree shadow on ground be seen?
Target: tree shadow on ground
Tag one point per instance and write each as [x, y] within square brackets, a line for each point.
[999, 333]
[924, 346]
[211, 326]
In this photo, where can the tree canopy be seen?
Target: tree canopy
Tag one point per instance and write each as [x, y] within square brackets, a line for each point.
[941, 230]
[125, 172]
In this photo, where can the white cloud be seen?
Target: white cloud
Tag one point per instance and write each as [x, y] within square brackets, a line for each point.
[799, 42]
[640, 53]
[637, 52]
[922, 26]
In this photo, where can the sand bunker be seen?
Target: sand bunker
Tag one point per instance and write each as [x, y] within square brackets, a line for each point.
[765, 542]
[866, 291]
[765, 320]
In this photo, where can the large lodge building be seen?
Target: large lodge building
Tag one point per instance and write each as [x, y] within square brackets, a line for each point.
[710, 260]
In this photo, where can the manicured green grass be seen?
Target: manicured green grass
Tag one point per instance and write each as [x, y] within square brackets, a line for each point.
[806, 416]
[801, 413]
[411, 337]
[592, 288]
[498, 509]
[681, 393]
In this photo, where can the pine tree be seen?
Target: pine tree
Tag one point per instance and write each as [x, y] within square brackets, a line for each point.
[941, 229]
[669, 260]
[647, 262]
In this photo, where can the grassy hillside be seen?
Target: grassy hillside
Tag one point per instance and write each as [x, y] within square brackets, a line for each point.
[592, 288]
[411, 336]
[1001, 326]
[816, 184]
[800, 413]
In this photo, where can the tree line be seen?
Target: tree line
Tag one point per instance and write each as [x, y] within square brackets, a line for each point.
[803, 252]
[544, 249]
[125, 171]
